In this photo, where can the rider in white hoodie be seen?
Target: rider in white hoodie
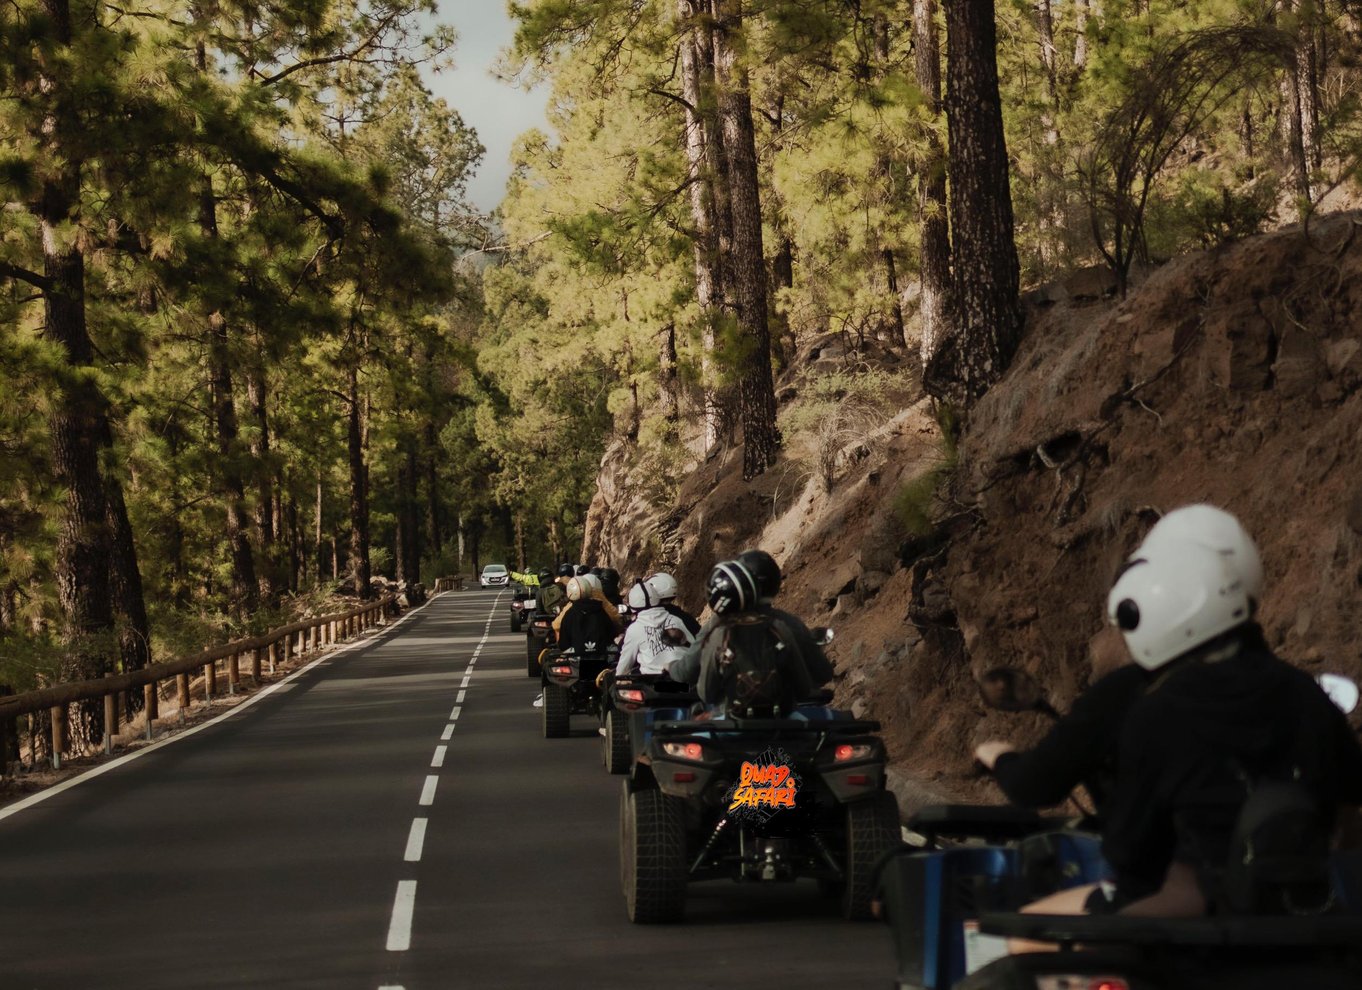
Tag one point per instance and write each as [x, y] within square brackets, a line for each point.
[655, 638]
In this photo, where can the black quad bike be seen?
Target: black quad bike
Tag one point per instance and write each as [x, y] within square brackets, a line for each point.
[538, 638]
[627, 702]
[755, 800]
[522, 607]
[569, 683]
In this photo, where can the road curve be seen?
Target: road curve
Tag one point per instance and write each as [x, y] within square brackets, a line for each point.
[390, 818]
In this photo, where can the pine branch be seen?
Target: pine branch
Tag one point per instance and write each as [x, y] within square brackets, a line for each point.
[354, 55]
[674, 98]
[24, 275]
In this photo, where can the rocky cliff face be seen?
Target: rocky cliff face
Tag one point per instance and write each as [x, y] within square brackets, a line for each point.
[1233, 377]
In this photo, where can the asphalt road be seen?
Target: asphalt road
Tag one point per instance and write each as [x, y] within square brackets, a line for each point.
[390, 818]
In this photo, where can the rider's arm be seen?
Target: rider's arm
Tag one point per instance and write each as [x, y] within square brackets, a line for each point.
[528, 580]
[633, 640]
[1079, 745]
[815, 660]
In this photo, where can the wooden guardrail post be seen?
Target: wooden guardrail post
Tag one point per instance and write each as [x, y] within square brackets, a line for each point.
[110, 719]
[274, 654]
[210, 680]
[151, 705]
[233, 672]
[58, 736]
[182, 691]
[255, 665]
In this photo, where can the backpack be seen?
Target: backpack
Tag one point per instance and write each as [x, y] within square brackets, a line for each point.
[1279, 852]
[759, 665]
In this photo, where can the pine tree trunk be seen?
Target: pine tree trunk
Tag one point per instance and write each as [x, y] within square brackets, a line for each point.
[668, 390]
[318, 544]
[78, 410]
[359, 571]
[1080, 36]
[984, 253]
[756, 391]
[782, 268]
[434, 535]
[931, 189]
[708, 200]
[296, 561]
[1045, 27]
[520, 541]
[411, 553]
[125, 580]
[256, 395]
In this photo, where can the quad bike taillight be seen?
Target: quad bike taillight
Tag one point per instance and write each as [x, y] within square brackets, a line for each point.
[846, 752]
[631, 694]
[684, 751]
[1108, 983]
[563, 670]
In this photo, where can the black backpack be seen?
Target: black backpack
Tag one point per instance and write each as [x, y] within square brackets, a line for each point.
[760, 666]
[1279, 852]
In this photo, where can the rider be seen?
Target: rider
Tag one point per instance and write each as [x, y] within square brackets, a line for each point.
[610, 586]
[1221, 713]
[656, 637]
[740, 594]
[664, 589]
[586, 627]
[1081, 747]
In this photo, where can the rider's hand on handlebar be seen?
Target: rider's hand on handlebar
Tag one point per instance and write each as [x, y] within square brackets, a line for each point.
[987, 753]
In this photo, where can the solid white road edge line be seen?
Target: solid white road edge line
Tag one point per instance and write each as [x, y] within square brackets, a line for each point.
[93, 772]
[399, 929]
[416, 839]
[428, 791]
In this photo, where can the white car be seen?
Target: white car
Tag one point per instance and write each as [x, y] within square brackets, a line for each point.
[494, 576]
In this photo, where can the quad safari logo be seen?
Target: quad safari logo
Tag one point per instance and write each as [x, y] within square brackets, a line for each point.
[764, 787]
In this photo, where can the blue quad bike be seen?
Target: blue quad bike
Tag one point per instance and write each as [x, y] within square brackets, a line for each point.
[630, 703]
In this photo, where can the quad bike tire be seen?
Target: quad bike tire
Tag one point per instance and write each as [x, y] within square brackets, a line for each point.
[531, 657]
[615, 745]
[872, 831]
[653, 857]
[515, 623]
[557, 712]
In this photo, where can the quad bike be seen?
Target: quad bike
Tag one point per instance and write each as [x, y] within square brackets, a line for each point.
[948, 904]
[538, 638]
[627, 704]
[763, 800]
[522, 607]
[569, 683]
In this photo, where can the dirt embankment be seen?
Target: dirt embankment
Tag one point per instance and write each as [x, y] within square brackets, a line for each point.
[1233, 377]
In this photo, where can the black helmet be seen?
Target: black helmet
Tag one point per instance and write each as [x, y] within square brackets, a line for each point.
[610, 582]
[545, 576]
[566, 570]
[732, 588]
[763, 567]
[580, 570]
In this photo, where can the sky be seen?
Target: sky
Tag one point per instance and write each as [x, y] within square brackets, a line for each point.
[500, 112]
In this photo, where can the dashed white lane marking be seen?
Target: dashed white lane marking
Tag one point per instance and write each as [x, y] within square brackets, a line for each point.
[459, 699]
[438, 760]
[404, 905]
[466, 679]
[448, 733]
[416, 839]
[455, 713]
[428, 791]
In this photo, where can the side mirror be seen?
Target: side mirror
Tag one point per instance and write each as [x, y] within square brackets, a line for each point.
[822, 635]
[1010, 690]
[1342, 691]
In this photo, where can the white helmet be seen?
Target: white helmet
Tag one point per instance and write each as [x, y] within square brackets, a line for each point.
[1216, 530]
[577, 589]
[641, 596]
[662, 586]
[1174, 600]
[590, 583]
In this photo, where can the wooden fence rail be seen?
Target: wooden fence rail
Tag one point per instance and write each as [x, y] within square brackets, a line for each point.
[274, 646]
